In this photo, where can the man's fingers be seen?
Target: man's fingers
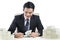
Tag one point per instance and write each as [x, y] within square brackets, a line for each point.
[19, 35]
[34, 34]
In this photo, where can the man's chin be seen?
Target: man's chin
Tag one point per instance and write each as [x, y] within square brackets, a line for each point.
[28, 17]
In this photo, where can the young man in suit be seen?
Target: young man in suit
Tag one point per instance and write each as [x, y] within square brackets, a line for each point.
[26, 21]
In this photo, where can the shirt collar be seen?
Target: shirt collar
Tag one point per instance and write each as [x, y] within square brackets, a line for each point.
[26, 18]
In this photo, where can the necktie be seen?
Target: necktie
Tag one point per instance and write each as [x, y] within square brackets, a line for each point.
[27, 25]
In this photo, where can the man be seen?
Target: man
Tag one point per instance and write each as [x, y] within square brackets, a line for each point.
[26, 21]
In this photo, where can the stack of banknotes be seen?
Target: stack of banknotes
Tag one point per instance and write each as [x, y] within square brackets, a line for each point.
[5, 35]
[50, 32]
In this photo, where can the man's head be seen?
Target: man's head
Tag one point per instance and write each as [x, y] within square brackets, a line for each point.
[28, 9]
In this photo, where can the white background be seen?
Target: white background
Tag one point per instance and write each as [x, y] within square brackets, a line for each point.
[49, 11]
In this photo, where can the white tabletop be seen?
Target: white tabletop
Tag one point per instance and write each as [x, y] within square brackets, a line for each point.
[37, 38]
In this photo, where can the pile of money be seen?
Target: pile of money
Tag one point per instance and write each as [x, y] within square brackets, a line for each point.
[50, 32]
[27, 33]
[5, 35]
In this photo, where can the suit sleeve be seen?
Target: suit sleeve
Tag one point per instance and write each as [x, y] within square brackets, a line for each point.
[13, 26]
[39, 26]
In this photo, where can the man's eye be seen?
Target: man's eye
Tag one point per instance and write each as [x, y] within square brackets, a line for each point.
[25, 12]
[30, 12]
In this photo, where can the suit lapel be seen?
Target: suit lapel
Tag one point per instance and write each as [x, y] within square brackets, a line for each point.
[22, 20]
[31, 22]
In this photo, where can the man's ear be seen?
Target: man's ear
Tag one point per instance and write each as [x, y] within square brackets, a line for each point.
[23, 9]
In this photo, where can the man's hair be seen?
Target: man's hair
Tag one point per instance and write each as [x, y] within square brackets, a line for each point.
[29, 5]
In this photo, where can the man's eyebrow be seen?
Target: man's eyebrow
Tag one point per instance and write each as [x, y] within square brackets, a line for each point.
[30, 12]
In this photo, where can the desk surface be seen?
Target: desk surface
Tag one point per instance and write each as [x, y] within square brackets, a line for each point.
[37, 38]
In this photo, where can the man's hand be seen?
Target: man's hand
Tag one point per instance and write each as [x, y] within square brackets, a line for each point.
[18, 35]
[34, 34]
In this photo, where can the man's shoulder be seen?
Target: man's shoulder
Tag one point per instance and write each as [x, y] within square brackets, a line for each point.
[19, 15]
[35, 15]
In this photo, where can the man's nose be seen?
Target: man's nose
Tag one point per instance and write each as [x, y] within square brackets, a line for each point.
[27, 13]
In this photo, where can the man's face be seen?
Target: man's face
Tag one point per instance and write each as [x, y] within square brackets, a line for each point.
[28, 12]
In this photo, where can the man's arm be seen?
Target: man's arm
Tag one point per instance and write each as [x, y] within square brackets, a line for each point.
[39, 26]
[13, 26]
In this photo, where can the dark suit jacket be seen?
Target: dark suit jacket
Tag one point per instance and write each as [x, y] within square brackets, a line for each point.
[18, 23]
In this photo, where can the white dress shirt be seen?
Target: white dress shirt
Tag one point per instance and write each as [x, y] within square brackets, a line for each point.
[25, 20]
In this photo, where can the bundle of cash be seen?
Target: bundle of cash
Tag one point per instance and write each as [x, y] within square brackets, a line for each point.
[5, 35]
[27, 33]
[50, 32]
